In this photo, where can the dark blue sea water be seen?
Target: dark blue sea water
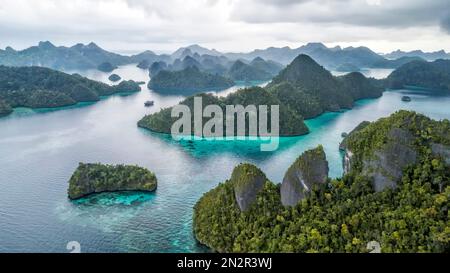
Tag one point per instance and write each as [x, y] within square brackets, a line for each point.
[39, 150]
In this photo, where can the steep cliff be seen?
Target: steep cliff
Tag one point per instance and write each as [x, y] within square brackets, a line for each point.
[309, 170]
[247, 182]
[383, 149]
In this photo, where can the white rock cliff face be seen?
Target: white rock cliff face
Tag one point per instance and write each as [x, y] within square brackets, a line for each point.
[347, 161]
[385, 166]
[309, 169]
[248, 182]
[442, 151]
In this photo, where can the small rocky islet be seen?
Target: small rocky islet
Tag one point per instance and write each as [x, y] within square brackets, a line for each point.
[114, 78]
[90, 178]
[406, 98]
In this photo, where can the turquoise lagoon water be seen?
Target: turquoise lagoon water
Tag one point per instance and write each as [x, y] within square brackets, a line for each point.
[39, 150]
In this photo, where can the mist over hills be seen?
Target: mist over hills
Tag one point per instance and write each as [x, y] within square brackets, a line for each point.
[195, 49]
[90, 56]
[429, 56]
[79, 56]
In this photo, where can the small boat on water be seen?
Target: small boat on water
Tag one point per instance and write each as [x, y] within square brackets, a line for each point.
[149, 103]
[406, 98]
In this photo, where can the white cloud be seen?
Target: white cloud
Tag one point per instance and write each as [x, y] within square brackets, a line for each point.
[234, 25]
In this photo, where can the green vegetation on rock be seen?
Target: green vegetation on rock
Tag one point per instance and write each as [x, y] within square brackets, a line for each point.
[96, 178]
[381, 150]
[343, 215]
[309, 170]
[343, 144]
[247, 181]
[430, 75]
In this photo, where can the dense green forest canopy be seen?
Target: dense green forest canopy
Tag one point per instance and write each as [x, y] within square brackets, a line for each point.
[39, 87]
[95, 178]
[344, 214]
[290, 123]
[430, 75]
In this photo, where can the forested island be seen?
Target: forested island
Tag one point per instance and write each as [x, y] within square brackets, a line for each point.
[39, 87]
[129, 86]
[114, 78]
[96, 178]
[304, 90]
[190, 79]
[429, 75]
[395, 191]
[291, 124]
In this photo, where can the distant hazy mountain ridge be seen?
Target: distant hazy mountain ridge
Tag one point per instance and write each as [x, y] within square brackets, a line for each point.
[90, 56]
[429, 56]
[79, 56]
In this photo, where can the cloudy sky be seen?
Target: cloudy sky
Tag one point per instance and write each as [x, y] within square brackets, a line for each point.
[227, 25]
